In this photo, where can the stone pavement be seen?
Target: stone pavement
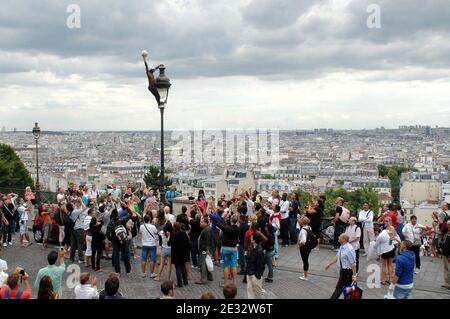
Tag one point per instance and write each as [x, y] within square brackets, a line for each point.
[286, 283]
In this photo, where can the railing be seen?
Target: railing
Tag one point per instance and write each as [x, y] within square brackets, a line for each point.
[40, 196]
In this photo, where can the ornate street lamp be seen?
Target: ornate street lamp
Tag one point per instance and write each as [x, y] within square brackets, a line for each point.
[160, 90]
[37, 135]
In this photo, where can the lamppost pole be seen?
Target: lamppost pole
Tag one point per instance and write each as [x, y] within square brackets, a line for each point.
[162, 190]
[160, 90]
[36, 134]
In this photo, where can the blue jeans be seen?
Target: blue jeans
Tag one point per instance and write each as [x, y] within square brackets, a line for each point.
[194, 253]
[275, 247]
[268, 257]
[242, 261]
[293, 234]
[118, 249]
[400, 293]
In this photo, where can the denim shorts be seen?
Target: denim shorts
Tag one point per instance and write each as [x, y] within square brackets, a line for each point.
[166, 252]
[229, 257]
[401, 293]
[148, 252]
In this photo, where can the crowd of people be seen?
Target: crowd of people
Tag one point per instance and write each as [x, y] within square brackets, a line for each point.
[241, 234]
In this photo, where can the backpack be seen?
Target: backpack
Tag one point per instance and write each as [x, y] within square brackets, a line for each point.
[68, 222]
[121, 233]
[311, 239]
[345, 216]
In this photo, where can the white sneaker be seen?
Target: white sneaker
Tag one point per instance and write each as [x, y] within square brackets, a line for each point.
[303, 278]
[153, 276]
[144, 275]
[416, 271]
[5, 245]
[10, 243]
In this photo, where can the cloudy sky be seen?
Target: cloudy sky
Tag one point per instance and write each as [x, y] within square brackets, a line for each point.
[289, 64]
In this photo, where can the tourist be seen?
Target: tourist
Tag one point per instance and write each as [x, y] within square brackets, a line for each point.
[97, 241]
[400, 220]
[180, 249]
[12, 290]
[230, 291]
[46, 289]
[284, 227]
[293, 214]
[353, 232]
[194, 233]
[445, 251]
[305, 249]
[77, 232]
[171, 195]
[55, 270]
[149, 235]
[229, 251]
[255, 268]
[243, 228]
[365, 217]
[111, 290]
[404, 271]
[118, 233]
[275, 221]
[413, 233]
[166, 250]
[9, 226]
[385, 248]
[314, 215]
[3, 274]
[169, 216]
[60, 215]
[88, 234]
[87, 289]
[340, 221]
[168, 289]
[347, 265]
[206, 247]
[23, 221]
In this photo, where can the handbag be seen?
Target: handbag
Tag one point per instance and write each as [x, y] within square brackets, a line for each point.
[209, 263]
[353, 292]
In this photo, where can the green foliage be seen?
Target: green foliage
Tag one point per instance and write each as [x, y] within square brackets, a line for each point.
[393, 173]
[353, 200]
[152, 178]
[268, 176]
[13, 173]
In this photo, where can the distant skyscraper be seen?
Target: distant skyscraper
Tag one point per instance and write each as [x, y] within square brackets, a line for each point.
[15, 129]
[3, 129]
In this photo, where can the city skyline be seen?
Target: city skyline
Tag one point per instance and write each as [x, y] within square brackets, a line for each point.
[288, 65]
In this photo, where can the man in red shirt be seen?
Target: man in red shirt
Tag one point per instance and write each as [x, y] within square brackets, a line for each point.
[11, 290]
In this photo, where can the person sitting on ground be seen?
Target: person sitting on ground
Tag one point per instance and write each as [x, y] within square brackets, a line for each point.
[46, 289]
[168, 288]
[11, 289]
[207, 295]
[111, 290]
[87, 289]
[230, 291]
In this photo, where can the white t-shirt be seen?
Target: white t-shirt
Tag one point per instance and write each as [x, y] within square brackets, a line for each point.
[3, 274]
[303, 235]
[86, 291]
[60, 198]
[284, 209]
[149, 235]
[165, 240]
[353, 231]
[366, 218]
[93, 194]
[87, 222]
[171, 218]
[22, 213]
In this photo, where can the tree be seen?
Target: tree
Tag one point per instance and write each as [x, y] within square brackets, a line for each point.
[153, 177]
[382, 170]
[13, 174]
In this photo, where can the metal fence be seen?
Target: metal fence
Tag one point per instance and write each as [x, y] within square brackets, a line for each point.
[40, 196]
